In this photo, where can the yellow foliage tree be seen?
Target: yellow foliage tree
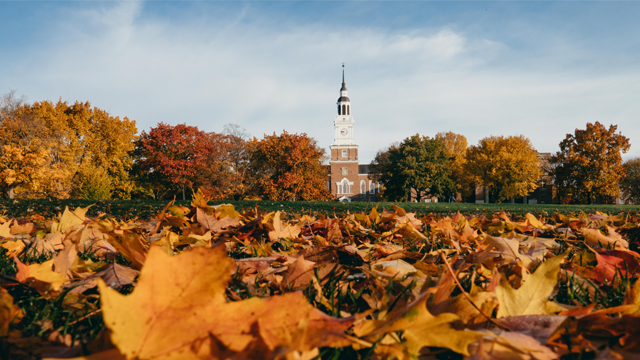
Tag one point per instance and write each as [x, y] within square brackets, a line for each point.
[456, 147]
[31, 173]
[27, 167]
[84, 137]
[508, 166]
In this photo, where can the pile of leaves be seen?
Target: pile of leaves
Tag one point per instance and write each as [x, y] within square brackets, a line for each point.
[209, 282]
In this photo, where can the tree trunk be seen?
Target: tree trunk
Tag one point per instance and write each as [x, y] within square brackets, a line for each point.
[11, 192]
[183, 196]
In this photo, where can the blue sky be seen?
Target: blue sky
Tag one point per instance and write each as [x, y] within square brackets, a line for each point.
[540, 69]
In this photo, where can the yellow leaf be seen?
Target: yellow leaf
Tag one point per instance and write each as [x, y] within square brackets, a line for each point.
[184, 296]
[5, 229]
[39, 276]
[499, 250]
[531, 297]
[422, 329]
[535, 222]
[614, 240]
[14, 247]
[70, 219]
[281, 232]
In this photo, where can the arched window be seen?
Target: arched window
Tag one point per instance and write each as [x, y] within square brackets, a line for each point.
[344, 109]
[348, 110]
[346, 187]
[363, 187]
[339, 110]
[372, 187]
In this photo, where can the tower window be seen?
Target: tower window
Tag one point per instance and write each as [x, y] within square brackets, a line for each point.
[339, 110]
[344, 109]
[344, 153]
[348, 112]
[346, 186]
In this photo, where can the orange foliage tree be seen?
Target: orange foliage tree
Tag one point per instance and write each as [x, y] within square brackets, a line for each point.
[588, 166]
[289, 167]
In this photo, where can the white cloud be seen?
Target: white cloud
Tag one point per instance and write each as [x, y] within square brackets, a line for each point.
[265, 78]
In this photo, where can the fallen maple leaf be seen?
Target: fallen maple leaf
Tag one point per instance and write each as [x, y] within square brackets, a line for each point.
[614, 240]
[281, 232]
[532, 297]
[422, 329]
[70, 219]
[39, 276]
[184, 296]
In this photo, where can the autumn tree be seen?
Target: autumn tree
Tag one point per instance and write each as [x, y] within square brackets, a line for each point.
[507, 166]
[216, 175]
[241, 181]
[630, 185]
[94, 183]
[27, 167]
[9, 104]
[288, 167]
[418, 163]
[456, 147]
[172, 156]
[589, 166]
[79, 137]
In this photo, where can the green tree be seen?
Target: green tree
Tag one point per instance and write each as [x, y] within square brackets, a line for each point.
[418, 163]
[94, 184]
[588, 166]
[507, 166]
[630, 185]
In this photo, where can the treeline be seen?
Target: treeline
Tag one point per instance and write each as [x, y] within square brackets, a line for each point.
[587, 169]
[60, 150]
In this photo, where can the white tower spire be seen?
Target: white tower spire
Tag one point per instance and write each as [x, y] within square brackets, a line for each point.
[343, 124]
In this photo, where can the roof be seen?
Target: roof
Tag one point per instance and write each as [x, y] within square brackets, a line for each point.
[344, 99]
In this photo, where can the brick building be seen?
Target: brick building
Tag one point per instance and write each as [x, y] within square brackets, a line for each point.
[348, 179]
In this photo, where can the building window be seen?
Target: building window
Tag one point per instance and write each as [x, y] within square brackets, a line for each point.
[348, 112]
[344, 153]
[372, 187]
[350, 189]
[346, 186]
[344, 109]
[339, 189]
[339, 110]
[363, 187]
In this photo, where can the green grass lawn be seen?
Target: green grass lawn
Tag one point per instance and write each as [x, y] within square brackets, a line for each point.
[148, 209]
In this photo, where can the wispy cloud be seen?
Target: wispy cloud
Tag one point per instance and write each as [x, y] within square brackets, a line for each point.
[267, 77]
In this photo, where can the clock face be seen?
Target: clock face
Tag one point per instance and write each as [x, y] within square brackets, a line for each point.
[343, 131]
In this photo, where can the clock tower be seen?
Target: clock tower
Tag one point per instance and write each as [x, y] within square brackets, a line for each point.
[344, 150]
